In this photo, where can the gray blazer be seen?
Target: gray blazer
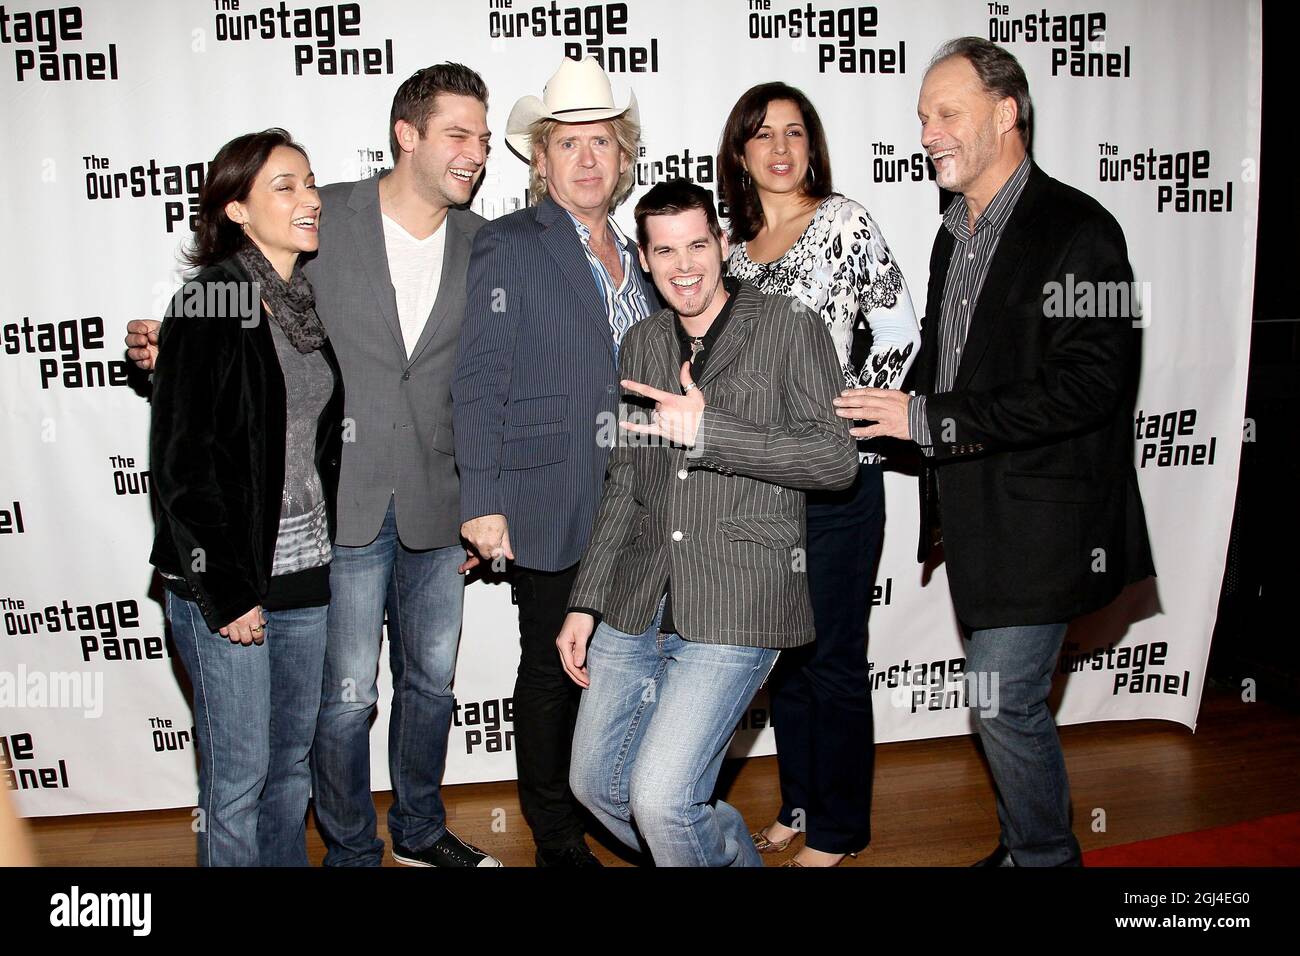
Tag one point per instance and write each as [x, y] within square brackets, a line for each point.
[398, 410]
[724, 518]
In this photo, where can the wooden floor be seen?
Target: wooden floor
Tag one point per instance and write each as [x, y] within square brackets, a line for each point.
[933, 803]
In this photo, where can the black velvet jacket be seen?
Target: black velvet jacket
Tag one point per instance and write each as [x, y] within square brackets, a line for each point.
[217, 443]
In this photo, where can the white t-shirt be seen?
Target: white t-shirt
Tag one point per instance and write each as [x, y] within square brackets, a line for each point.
[415, 266]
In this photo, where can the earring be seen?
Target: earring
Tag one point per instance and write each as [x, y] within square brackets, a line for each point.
[812, 174]
[744, 178]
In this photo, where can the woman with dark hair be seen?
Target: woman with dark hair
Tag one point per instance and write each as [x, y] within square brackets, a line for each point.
[792, 234]
[244, 449]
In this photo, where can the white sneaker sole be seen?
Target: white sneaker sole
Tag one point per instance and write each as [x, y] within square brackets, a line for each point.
[487, 861]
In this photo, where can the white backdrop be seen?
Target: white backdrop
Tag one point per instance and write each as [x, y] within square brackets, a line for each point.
[112, 108]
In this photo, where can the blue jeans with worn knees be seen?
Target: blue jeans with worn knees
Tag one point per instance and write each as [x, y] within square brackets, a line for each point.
[652, 731]
[254, 715]
[424, 597]
[1011, 673]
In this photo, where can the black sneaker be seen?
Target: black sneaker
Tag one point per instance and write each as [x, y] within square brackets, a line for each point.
[449, 851]
[569, 857]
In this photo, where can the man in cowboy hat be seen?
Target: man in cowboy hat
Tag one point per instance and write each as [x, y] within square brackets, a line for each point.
[552, 289]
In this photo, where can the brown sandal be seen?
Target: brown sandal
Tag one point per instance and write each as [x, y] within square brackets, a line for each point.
[763, 845]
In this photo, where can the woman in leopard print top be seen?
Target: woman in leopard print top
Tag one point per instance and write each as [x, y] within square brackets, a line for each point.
[792, 234]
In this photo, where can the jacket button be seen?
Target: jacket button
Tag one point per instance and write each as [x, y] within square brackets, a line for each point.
[678, 535]
[682, 474]
[611, 389]
[406, 376]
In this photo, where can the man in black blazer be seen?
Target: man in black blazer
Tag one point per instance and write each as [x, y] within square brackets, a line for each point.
[1023, 408]
[552, 289]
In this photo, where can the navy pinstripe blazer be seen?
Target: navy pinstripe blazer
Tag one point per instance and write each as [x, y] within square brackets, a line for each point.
[535, 377]
[725, 517]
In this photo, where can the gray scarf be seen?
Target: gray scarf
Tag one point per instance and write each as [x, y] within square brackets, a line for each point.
[292, 304]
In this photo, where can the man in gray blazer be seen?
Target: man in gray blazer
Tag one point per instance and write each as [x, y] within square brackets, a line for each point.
[695, 566]
[390, 289]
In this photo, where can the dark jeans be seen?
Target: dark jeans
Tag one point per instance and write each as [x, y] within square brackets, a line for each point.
[546, 708]
[820, 693]
[1009, 672]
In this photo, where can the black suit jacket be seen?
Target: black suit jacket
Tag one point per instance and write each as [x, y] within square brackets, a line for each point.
[1032, 484]
[216, 450]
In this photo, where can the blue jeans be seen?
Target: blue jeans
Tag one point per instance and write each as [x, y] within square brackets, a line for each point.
[652, 730]
[254, 714]
[1019, 736]
[424, 598]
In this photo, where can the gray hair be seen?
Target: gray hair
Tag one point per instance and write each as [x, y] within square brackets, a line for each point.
[999, 72]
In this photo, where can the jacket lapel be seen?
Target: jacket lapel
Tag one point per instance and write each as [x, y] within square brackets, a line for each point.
[455, 262]
[560, 239]
[733, 337]
[373, 253]
[1010, 251]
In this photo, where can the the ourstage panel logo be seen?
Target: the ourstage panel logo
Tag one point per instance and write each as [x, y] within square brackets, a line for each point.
[1080, 43]
[37, 36]
[485, 724]
[698, 167]
[846, 38]
[597, 30]
[889, 165]
[1181, 178]
[327, 37]
[1169, 440]
[60, 349]
[23, 768]
[177, 185]
[1134, 668]
[107, 631]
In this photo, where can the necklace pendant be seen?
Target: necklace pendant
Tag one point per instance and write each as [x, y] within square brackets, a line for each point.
[697, 346]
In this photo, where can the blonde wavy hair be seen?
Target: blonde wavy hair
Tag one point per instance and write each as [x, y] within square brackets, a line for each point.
[626, 133]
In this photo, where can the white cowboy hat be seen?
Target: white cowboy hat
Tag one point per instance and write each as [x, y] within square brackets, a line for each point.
[579, 92]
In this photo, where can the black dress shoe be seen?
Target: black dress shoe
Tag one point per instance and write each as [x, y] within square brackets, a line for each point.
[569, 857]
[999, 857]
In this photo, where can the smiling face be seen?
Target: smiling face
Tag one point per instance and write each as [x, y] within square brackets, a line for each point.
[964, 128]
[685, 261]
[448, 158]
[281, 214]
[776, 156]
[582, 163]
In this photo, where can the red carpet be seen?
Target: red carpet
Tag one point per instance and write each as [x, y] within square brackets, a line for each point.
[1268, 841]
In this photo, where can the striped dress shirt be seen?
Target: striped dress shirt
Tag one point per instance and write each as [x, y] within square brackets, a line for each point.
[625, 304]
[971, 256]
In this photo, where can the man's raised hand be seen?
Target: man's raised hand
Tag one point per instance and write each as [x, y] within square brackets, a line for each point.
[676, 417]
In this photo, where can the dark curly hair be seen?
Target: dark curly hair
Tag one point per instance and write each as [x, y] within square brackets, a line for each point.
[230, 178]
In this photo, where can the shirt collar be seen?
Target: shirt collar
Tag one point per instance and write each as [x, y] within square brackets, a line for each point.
[732, 285]
[998, 211]
[585, 234]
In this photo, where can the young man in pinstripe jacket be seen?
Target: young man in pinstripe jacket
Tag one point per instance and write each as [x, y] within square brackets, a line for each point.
[695, 565]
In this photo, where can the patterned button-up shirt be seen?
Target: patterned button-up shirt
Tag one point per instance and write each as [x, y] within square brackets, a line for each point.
[972, 254]
[626, 304]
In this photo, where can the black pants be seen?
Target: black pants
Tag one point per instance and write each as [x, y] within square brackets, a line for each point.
[546, 707]
[820, 693]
